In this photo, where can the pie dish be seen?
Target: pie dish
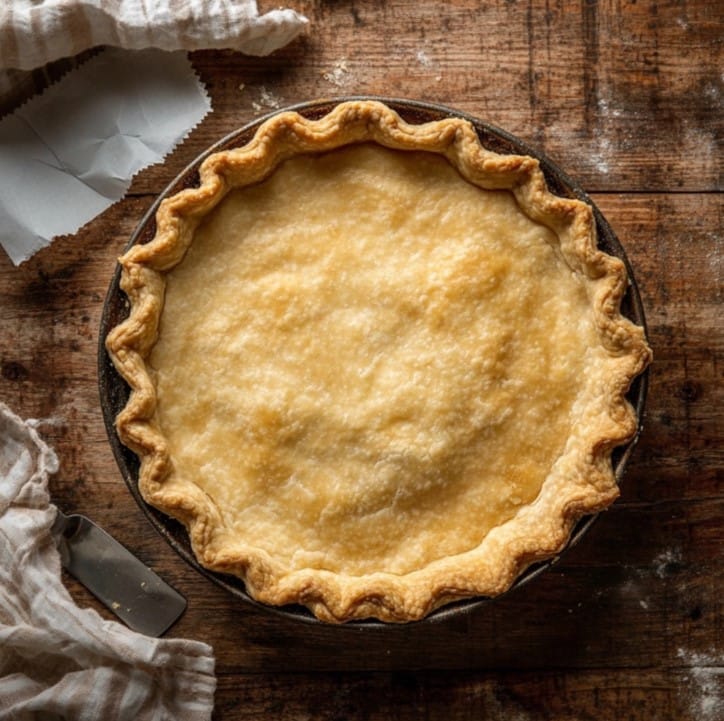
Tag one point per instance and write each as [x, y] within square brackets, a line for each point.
[375, 367]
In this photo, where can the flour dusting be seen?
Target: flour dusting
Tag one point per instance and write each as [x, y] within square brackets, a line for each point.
[601, 154]
[266, 100]
[613, 133]
[701, 142]
[662, 563]
[704, 694]
[606, 111]
[339, 75]
[426, 62]
[424, 59]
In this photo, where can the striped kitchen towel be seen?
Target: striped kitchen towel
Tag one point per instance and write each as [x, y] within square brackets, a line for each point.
[58, 661]
[36, 32]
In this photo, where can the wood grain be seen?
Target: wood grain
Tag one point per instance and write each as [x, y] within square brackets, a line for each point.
[627, 97]
[469, 696]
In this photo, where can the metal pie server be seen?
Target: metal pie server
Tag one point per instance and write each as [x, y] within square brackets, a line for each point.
[119, 580]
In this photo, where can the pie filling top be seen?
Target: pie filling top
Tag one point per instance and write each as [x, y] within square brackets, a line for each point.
[375, 385]
[387, 354]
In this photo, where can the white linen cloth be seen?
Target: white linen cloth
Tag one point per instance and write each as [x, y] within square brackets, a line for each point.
[58, 661]
[36, 32]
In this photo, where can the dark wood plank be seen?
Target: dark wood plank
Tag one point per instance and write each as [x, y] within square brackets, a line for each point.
[675, 248]
[643, 584]
[623, 94]
[626, 95]
[691, 692]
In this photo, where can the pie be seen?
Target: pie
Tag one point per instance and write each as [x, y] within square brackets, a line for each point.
[374, 366]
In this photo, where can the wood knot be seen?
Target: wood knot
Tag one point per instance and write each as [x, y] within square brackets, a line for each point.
[14, 371]
[689, 391]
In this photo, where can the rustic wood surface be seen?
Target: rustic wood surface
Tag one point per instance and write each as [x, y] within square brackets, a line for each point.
[627, 97]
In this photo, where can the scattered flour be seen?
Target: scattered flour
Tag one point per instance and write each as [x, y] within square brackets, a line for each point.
[601, 154]
[712, 90]
[704, 692]
[266, 100]
[424, 59]
[703, 143]
[633, 588]
[661, 563]
[339, 75]
[612, 133]
[606, 111]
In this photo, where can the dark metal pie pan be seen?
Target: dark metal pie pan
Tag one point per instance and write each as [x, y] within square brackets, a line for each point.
[114, 392]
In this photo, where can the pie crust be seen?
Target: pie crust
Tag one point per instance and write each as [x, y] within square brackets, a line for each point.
[374, 366]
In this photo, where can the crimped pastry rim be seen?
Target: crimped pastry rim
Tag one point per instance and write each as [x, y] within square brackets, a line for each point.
[326, 598]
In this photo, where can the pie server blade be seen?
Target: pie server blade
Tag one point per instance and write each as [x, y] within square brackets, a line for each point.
[119, 580]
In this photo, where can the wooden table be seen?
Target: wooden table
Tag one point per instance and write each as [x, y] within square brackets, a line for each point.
[627, 96]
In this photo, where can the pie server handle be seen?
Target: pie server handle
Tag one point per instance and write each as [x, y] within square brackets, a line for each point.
[119, 580]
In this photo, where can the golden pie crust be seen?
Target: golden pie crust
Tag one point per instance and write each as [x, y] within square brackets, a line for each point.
[374, 366]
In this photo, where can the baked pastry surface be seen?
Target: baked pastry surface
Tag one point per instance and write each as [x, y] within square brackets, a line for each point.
[374, 366]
